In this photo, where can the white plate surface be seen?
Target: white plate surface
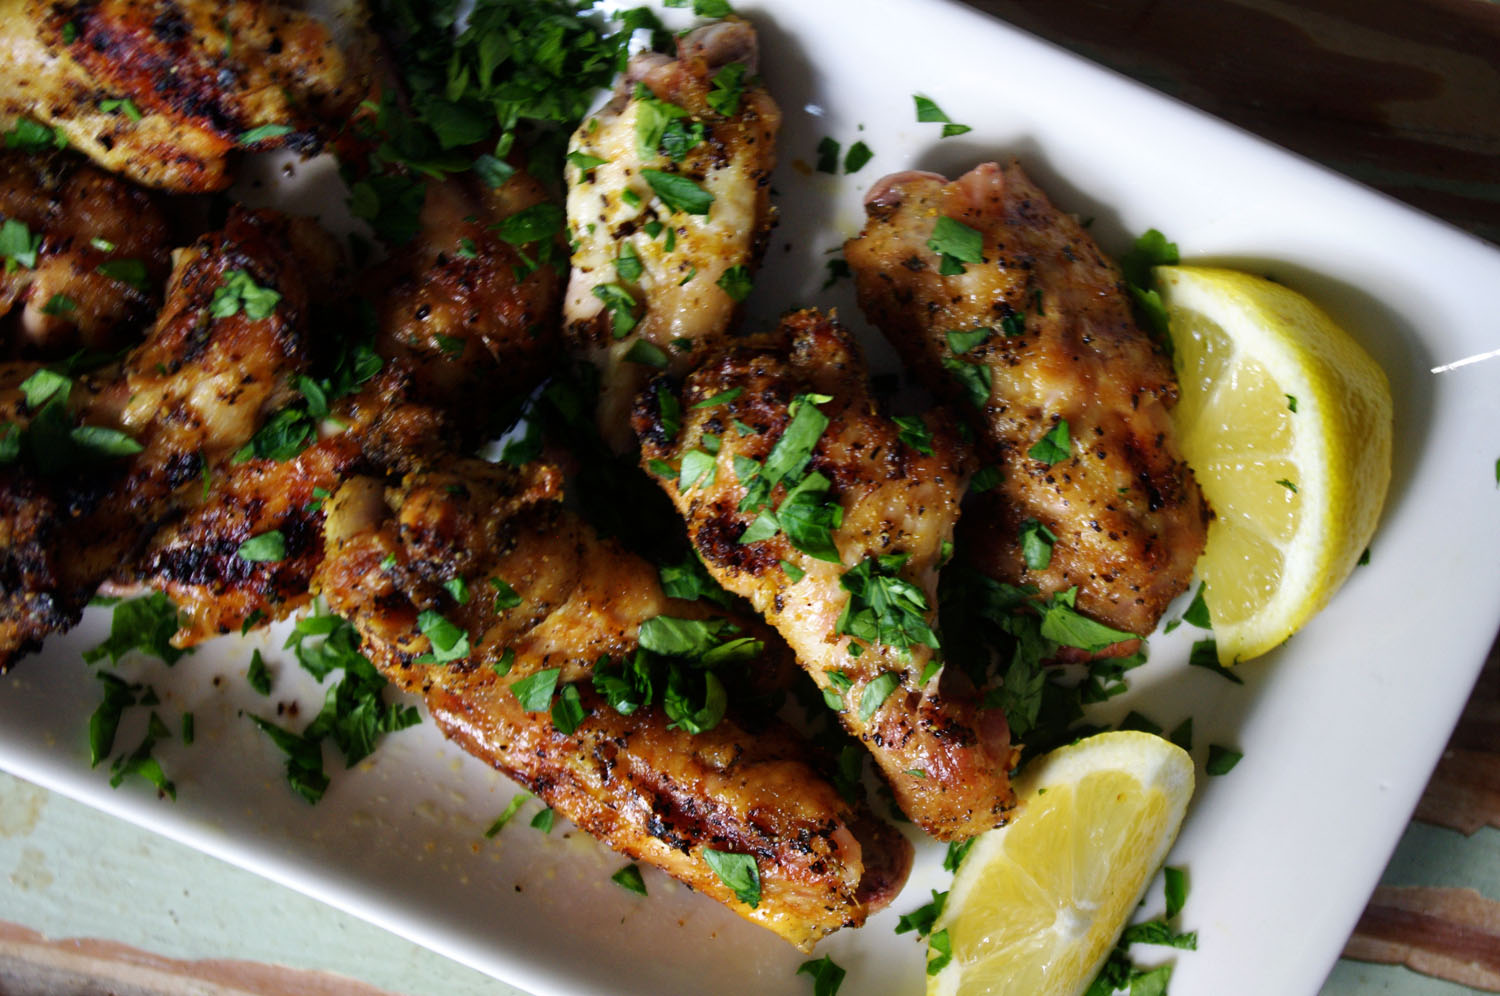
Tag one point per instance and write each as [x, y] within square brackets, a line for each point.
[1339, 728]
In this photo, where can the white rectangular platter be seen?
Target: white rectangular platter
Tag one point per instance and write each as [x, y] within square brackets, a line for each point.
[1339, 728]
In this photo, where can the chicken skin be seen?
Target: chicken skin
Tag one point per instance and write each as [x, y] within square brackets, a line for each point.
[101, 256]
[162, 91]
[832, 520]
[669, 211]
[1030, 333]
[471, 304]
[462, 331]
[98, 462]
[470, 585]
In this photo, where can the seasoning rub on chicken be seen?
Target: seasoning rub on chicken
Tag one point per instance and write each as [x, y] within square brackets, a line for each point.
[95, 463]
[833, 521]
[163, 91]
[669, 211]
[557, 657]
[1005, 306]
[86, 254]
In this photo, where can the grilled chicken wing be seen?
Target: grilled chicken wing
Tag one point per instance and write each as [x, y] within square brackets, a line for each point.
[856, 600]
[466, 305]
[163, 91]
[78, 501]
[463, 330]
[669, 210]
[1054, 345]
[415, 567]
[81, 220]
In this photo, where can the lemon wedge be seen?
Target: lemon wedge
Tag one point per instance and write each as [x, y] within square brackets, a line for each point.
[1037, 904]
[1286, 423]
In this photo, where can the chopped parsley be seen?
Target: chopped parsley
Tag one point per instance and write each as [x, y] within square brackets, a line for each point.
[921, 919]
[728, 87]
[884, 607]
[534, 691]
[929, 112]
[838, 269]
[629, 878]
[828, 155]
[1205, 654]
[858, 156]
[738, 872]
[827, 976]
[104, 723]
[257, 676]
[1053, 448]
[677, 192]
[914, 433]
[628, 264]
[939, 952]
[30, 136]
[127, 271]
[957, 244]
[354, 713]
[1288, 485]
[268, 547]
[59, 304]
[264, 133]
[146, 624]
[507, 814]
[449, 641]
[986, 478]
[736, 282]
[620, 304]
[1150, 250]
[963, 340]
[1221, 760]
[141, 764]
[121, 105]
[1036, 545]
[875, 692]
[18, 245]
[974, 378]
[647, 354]
[505, 595]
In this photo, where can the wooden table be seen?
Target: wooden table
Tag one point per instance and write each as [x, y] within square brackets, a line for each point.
[1401, 94]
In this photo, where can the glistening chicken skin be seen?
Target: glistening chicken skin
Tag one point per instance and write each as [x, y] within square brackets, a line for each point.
[463, 332]
[657, 278]
[178, 407]
[469, 579]
[856, 599]
[102, 255]
[1033, 340]
[163, 91]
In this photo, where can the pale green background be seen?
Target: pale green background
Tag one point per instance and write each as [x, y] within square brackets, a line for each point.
[70, 871]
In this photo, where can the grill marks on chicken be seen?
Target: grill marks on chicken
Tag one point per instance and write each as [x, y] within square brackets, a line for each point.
[463, 335]
[472, 316]
[947, 761]
[667, 294]
[201, 78]
[658, 794]
[1062, 346]
[85, 219]
[190, 395]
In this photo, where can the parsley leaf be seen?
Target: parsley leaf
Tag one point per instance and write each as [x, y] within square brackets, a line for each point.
[929, 112]
[629, 878]
[828, 155]
[957, 243]
[738, 872]
[883, 607]
[18, 245]
[736, 282]
[534, 691]
[728, 85]
[859, 155]
[975, 378]
[146, 624]
[961, 341]
[105, 720]
[268, 547]
[678, 193]
[264, 133]
[876, 691]
[1221, 760]
[449, 641]
[914, 433]
[827, 975]
[921, 919]
[1053, 448]
[1036, 545]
